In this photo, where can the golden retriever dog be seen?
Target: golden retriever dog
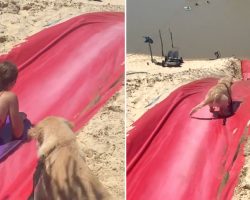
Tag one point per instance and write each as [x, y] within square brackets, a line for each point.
[218, 97]
[63, 173]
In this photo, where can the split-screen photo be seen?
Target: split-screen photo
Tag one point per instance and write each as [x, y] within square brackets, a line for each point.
[124, 100]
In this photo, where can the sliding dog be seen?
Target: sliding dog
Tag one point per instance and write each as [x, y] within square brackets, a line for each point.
[219, 97]
[63, 172]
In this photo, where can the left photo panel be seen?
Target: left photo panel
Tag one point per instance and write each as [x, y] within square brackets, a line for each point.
[62, 100]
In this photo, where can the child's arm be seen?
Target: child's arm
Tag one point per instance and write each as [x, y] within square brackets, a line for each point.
[15, 117]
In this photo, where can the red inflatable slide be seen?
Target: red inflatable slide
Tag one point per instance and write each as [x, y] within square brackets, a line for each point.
[174, 157]
[68, 70]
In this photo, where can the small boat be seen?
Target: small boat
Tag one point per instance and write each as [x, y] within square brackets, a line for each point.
[187, 8]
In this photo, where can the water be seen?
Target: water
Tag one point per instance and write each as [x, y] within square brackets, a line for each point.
[221, 25]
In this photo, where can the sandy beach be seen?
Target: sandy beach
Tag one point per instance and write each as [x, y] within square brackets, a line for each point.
[148, 84]
[102, 139]
[20, 19]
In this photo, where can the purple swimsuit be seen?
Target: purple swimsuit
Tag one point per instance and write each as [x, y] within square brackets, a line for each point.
[7, 143]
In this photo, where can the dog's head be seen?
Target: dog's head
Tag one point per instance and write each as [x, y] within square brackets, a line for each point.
[50, 126]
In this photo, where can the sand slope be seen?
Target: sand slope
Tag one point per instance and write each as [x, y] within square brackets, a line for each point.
[103, 145]
[22, 18]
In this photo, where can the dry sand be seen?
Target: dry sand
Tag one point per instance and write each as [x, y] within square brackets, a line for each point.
[22, 18]
[242, 191]
[148, 84]
[102, 139]
[103, 143]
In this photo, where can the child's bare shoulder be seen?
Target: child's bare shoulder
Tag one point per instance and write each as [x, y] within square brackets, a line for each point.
[10, 96]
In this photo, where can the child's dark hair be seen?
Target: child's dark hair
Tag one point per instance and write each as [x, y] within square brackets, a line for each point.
[8, 74]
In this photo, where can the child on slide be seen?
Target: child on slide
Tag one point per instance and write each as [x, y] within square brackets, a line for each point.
[8, 100]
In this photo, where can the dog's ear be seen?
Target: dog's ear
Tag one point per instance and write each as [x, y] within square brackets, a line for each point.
[70, 124]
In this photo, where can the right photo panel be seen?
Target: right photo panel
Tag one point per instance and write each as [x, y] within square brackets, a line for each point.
[188, 100]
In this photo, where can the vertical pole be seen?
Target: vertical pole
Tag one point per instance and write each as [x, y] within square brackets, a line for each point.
[171, 36]
[162, 52]
[151, 54]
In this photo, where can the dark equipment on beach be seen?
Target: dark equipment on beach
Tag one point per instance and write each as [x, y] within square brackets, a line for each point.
[217, 54]
[149, 41]
[172, 58]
